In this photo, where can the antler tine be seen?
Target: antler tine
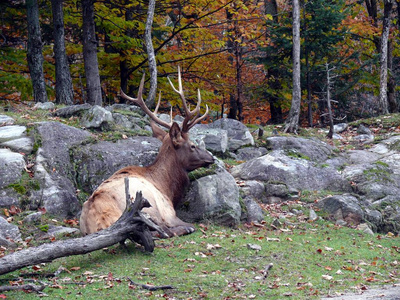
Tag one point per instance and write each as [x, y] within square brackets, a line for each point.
[170, 112]
[140, 102]
[189, 121]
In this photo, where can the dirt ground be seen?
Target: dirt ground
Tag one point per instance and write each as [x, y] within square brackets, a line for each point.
[391, 292]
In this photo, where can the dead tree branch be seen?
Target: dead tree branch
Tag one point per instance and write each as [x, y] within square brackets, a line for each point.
[131, 225]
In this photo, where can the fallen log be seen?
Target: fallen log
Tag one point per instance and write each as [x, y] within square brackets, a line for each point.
[131, 225]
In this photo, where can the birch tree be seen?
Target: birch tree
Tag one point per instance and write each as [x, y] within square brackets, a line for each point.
[383, 79]
[292, 121]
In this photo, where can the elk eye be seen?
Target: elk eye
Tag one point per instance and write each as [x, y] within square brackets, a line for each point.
[192, 147]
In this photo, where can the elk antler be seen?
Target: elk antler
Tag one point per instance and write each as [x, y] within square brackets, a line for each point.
[140, 102]
[191, 117]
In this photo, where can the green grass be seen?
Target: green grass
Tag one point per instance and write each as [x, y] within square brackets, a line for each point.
[310, 259]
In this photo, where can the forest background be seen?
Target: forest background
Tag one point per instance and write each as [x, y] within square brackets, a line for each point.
[238, 53]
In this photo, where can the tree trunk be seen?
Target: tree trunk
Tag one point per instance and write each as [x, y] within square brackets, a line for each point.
[271, 8]
[64, 91]
[292, 122]
[93, 86]
[151, 55]
[236, 105]
[328, 101]
[393, 107]
[123, 63]
[383, 101]
[34, 54]
[131, 225]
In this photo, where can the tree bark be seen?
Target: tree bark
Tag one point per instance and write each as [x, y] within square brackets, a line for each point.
[393, 107]
[92, 74]
[383, 82]
[292, 122]
[151, 55]
[34, 54]
[328, 101]
[64, 91]
[271, 8]
[131, 225]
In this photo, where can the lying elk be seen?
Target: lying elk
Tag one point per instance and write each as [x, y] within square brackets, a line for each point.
[162, 183]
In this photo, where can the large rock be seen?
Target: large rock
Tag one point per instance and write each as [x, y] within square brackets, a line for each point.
[44, 105]
[11, 167]
[24, 145]
[343, 207]
[54, 169]
[6, 120]
[295, 174]
[12, 132]
[215, 140]
[213, 197]
[312, 149]
[248, 153]
[94, 163]
[375, 180]
[238, 134]
[9, 231]
[96, 117]
[73, 110]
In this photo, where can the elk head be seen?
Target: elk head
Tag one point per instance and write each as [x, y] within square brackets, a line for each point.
[188, 155]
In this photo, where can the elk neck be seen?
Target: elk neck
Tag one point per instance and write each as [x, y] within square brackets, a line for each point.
[168, 174]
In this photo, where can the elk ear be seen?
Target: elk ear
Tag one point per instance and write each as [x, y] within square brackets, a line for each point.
[175, 135]
[157, 131]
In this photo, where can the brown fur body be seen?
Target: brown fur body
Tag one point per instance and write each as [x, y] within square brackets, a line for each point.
[162, 184]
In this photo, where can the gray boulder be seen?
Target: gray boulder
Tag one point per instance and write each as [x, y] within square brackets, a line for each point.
[12, 132]
[254, 212]
[215, 140]
[295, 173]
[238, 134]
[6, 120]
[44, 105]
[249, 153]
[311, 149]
[94, 163]
[9, 231]
[96, 117]
[375, 180]
[343, 207]
[73, 110]
[363, 129]
[11, 167]
[24, 145]
[338, 128]
[213, 197]
[54, 169]
[8, 197]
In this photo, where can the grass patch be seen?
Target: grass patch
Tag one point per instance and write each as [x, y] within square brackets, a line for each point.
[310, 260]
[201, 172]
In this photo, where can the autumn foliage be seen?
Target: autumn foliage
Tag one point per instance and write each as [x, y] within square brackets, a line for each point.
[236, 52]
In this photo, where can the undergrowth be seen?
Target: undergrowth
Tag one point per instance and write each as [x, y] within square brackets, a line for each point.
[310, 259]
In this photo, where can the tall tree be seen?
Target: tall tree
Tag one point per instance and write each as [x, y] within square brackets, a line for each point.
[151, 55]
[390, 85]
[383, 82]
[64, 91]
[271, 8]
[92, 74]
[35, 55]
[292, 121]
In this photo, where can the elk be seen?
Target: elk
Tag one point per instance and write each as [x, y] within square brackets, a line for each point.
[162, 183]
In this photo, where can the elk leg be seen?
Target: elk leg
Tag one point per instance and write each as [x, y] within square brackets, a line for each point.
[182, 230]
